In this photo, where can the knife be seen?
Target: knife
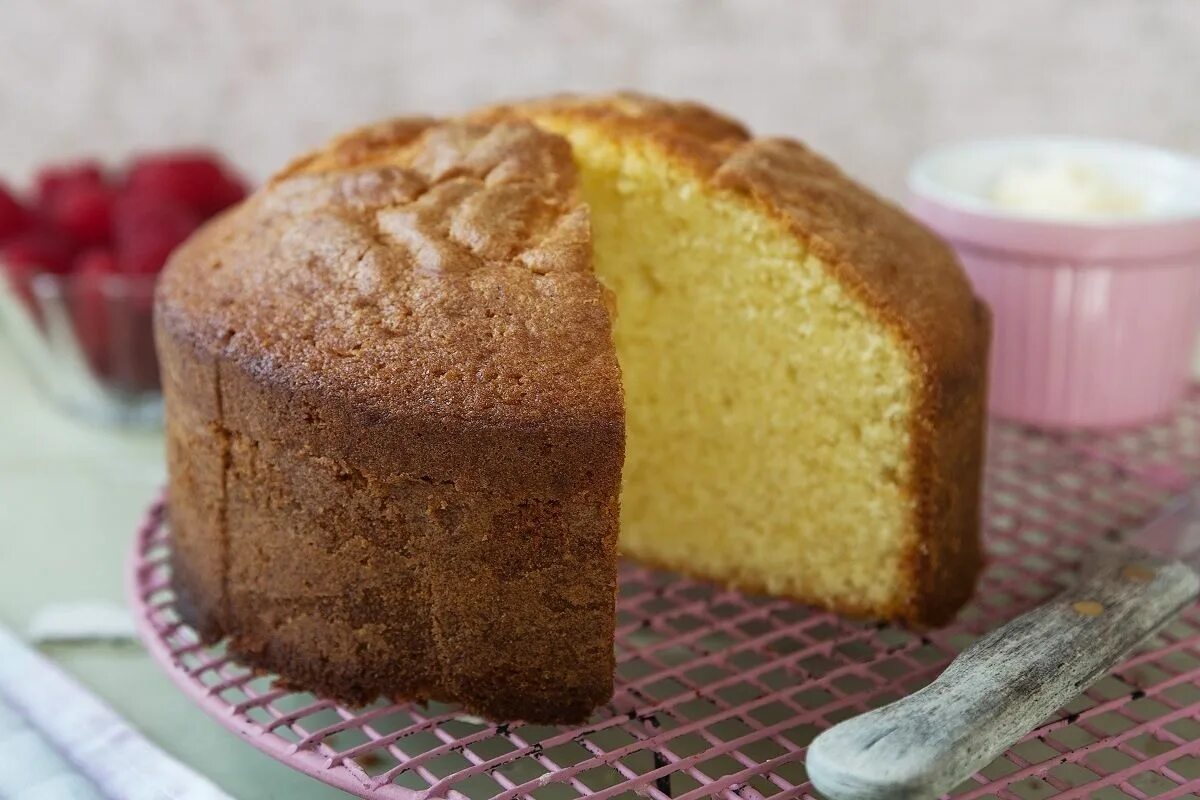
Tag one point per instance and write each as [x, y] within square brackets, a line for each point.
[1005, 684]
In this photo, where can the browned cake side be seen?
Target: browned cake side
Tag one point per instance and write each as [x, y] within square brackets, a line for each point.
[395, 425]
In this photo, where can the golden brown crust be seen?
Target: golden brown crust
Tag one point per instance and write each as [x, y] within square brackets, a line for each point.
[894, 265]
[395, 425]
[390, 384]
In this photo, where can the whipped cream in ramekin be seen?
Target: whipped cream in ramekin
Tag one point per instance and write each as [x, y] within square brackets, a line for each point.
[1061, 179]
[1062, 187]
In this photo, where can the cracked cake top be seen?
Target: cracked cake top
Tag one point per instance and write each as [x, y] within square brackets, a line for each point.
[412, 267]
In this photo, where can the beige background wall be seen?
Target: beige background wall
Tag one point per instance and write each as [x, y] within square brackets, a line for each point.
[869, 82]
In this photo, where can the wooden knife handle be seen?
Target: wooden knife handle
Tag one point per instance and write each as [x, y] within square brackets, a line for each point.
[1004, 685]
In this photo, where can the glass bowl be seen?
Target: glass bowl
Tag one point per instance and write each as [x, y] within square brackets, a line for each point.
[86, 341]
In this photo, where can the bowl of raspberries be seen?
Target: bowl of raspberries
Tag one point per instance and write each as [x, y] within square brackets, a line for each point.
[79, 255]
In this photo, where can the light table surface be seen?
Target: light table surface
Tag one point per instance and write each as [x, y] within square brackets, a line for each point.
[71, 495]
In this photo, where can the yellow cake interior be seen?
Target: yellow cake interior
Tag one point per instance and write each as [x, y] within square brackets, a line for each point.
[767, 411]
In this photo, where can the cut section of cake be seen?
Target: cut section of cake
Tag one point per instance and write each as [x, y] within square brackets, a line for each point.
[803, 364]
[397, 428]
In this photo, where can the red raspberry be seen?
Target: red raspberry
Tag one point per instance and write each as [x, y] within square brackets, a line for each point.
[133, 364]
[195, 178]
[82, 210]
[146, 254]
[139, 212]
[39, 249]
[14, 217]
[146, 237]
[114, 320]
[231, 190]
[95, 261]
[55, 178]
[146, 228]
[91, 306]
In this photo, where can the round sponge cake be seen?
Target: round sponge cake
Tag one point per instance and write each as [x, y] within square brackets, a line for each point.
[397, 426]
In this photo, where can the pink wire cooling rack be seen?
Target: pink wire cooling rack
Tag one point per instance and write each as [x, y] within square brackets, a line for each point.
[718, 693]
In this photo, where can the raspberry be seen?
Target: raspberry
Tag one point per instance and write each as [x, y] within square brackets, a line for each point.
[56, 178]
[91, 308]
[196, 179]
[146, 254]
[231, 190]
[82, 210]
[146, 228]
[146, 233]
[133, 364]
[14, 217]
[138, 212]
[39, 249]
[96, 261]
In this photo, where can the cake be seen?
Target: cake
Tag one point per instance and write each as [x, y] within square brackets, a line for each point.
[417, 384]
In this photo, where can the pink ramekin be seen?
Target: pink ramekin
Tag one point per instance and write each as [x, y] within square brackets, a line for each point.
[1095, 318]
